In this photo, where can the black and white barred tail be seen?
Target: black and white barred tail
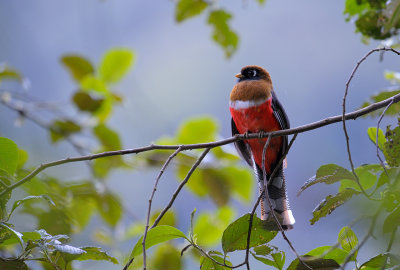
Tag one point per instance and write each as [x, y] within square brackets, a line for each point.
[278, 196]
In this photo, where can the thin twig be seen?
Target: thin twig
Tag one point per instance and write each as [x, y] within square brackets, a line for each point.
[377, 136]
[238, 137]
[128, 264]
[151, 200]
[273, 211]
[195, 165]
[260, 196]
[24, 113]
[205, 253]
[344, 111]
[263, 190]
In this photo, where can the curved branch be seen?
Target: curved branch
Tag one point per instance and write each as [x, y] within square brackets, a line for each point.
[344, 111]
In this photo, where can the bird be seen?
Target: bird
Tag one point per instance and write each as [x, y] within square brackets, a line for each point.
[255, 108]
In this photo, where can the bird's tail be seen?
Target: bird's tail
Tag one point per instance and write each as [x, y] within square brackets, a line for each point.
[278, 197]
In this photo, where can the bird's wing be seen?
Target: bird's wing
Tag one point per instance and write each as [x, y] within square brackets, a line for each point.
[242, 148]
[282, 118]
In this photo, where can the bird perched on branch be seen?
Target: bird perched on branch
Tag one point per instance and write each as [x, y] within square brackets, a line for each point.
[255, 108]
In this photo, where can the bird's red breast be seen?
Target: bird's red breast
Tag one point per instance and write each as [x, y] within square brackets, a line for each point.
[252, 119]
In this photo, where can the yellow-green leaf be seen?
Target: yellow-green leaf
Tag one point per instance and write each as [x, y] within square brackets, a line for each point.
[156, 235]
[222, 33]
[381, 137]
[78, 66]
[8, 155]
[115, 64]
[186, 9]
[197, 130]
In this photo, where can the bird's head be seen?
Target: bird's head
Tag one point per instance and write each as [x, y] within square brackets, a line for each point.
[253, 73]
[254, 84]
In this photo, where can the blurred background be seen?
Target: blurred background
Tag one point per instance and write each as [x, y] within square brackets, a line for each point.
[179, 72]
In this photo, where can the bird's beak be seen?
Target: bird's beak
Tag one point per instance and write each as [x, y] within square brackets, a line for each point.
[239, 75]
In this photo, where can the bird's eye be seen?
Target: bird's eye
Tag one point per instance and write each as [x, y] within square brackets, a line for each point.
[252, 73]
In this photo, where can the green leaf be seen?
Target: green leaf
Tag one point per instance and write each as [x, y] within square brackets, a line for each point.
[392, 146]
[325, 257]
[381, 137]
[270, 256]
[235, 235]
[28, 198]
[90, 253]
[209, 227]
[115, 64]
[197, 130]
[320, 263]
[5, 180]
[392, 221]
[367, 174]
[186, 9]
[87, 102]
[388, 259]
[222, 33]
[22, 158]
[328, 252]
[16, 234]
[109, 207]
[12, 264]
[330, 203]
[208, 264]
[393, 110]
[348, 240]
[26, 236]
[156, 235]
[354, 7]
[78, 66]
[8, 155]
[328, 174]
[63, 128]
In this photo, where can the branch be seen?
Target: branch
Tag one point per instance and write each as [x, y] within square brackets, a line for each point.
[324, 122]
[189, 174]
[344, 111]
[265, 191]
[150, 202]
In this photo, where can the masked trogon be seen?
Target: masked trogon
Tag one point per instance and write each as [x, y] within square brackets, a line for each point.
[255, 108]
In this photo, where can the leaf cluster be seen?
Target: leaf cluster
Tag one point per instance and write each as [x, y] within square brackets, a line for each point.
[377, 19]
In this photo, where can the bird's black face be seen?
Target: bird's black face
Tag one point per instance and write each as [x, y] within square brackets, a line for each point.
[250, 74]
